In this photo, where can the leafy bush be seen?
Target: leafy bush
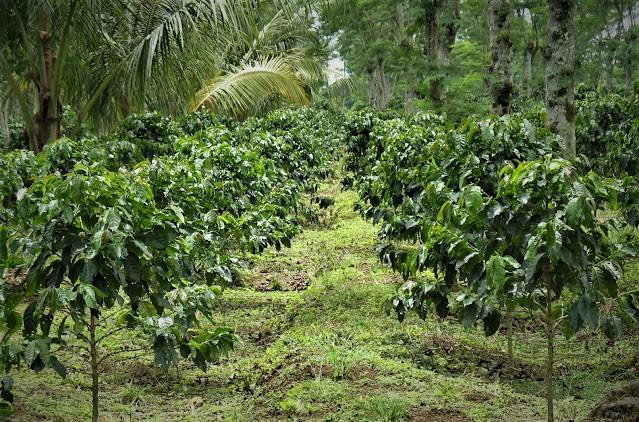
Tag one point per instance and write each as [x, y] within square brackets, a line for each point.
[607, 131]
[146, 224]
[500, 220]
[17, 137]
[200, 120]
[153, 133]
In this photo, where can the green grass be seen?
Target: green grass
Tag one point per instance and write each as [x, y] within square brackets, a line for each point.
[324, 349]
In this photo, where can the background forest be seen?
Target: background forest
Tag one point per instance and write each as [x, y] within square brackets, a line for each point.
[436, 55]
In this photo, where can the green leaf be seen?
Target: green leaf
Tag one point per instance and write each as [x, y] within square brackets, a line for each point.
[224, 273]
[495, 210]
[588, 312]
[473, 199]
[34, 278]
[6, 394]
[42, 345]
[466, 260]
[30, 324]
[13, 321]
[496, 273]
[613, 327]
[6, 409]
[96, 244]
[444, 212]
[112, 219]
[492, 322]
[469, 314]
[88, 272]
[88, 293]
[4, 254]
[574, 210]
[58, 367]
[165, 354]
[610, 278]
[133, 268]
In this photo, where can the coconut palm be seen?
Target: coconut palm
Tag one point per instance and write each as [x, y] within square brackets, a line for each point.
[109, 58]
[279, 57]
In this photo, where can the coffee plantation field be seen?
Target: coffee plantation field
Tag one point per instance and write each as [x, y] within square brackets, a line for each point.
[269, 270]
[312, 210]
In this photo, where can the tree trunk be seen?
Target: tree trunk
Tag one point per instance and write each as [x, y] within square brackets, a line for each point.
[550, 336]
[410, 97]
[379, 87]
[628, 62]
[560, 72]
[6, 132]
[526, 70]
[48, 116]
[610, 72]
[432, 9]
[94, 365]
[400, 19]
[500, 71]
[509, 334]
[449, 33]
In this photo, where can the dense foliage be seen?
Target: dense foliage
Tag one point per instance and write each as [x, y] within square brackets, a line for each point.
[498, 217]
[387, 47]
[450, 200]
[608, 139]
[148, 223]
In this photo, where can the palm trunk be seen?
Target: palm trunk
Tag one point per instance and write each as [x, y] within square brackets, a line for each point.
[500, 43]
[6, 133]
[560, 72]
[48, 116]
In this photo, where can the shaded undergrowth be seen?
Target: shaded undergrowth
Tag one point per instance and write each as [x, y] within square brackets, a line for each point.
[317, 345]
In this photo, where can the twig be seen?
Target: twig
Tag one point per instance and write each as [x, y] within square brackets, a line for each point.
[109, 355]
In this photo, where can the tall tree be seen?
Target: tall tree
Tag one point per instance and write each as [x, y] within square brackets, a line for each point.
[432, 10]
[526, 32]
[560, 72]
[110, 58]
[499, 12]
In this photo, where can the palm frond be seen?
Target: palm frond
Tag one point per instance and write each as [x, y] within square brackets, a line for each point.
[236, 92]
[343, 88]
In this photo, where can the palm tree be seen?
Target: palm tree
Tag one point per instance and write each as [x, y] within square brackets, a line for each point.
[109, 58]
[279, 56]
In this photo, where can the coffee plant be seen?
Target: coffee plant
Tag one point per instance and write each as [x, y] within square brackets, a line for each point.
[498, 218]
[607, 133]
[140, 230]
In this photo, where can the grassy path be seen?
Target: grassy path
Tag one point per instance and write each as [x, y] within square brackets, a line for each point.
[317, 345]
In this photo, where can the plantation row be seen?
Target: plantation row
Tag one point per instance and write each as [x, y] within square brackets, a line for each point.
[501, 219]
[144, 227]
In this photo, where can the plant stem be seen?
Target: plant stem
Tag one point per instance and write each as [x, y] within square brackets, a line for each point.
[550, 332]
[509, 335]
[94, 365]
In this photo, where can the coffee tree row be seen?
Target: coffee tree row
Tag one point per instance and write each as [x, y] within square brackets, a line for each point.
[608, 138]
[141, 229]
[499, 218]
